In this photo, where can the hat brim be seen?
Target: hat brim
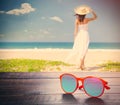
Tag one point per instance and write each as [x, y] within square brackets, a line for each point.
[82, 10]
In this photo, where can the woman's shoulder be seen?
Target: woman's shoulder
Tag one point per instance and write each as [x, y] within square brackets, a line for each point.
[76, 21]
[81, 23]
[86, 20]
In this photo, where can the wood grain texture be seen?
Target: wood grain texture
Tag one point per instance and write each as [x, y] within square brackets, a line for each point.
[44, 89]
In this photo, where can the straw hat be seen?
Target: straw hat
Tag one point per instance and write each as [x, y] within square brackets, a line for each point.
[82, 10]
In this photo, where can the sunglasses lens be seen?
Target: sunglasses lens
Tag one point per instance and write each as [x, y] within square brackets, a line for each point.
[93, 86]
[68, 83]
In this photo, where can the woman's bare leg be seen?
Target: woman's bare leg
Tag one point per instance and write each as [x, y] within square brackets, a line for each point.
[82, 63]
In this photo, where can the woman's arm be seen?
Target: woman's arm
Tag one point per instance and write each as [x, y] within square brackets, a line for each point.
[94, 16]
[76, 28]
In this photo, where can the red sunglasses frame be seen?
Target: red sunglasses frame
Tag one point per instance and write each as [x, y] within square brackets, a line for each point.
[82, 86]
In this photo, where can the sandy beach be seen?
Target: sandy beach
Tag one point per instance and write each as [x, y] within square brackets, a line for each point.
[94, 57]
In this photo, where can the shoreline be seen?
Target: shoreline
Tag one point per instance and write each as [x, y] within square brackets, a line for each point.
[57, 49]
[93, 55]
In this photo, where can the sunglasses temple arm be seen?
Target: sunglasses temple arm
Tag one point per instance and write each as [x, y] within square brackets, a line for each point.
[105, 84]
[107, 87]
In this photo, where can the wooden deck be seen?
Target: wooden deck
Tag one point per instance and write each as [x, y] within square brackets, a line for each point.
[44, 89]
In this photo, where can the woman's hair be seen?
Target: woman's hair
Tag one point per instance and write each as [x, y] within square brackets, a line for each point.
[80, 17]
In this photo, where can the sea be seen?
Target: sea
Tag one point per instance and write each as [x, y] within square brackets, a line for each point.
[54, 45]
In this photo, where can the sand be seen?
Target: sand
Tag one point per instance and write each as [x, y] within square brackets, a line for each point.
[93, 57]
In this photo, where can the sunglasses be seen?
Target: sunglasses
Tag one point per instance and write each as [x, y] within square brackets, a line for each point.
[92, 86]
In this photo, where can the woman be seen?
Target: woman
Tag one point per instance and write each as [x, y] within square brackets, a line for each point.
[81, 36]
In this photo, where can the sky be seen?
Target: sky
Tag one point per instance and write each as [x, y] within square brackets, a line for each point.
[53, 20]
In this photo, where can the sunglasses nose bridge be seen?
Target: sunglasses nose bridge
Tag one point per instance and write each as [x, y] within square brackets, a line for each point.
[80, 83]
[80, 79]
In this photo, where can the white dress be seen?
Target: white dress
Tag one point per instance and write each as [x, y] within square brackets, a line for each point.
[80, 46]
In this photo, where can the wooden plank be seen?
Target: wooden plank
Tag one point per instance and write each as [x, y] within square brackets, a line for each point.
[50, 75]
[60, 99]
[37, 90]
[20, 82]
[45, 89]
[43, 86]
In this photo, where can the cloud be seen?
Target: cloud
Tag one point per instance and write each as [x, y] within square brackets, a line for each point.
[43, 18]
[25, 8]
[2, 12]
[55, 18]
[25, 30]
[46, 32]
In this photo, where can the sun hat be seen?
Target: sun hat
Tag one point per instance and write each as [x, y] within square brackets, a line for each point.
[82, 10]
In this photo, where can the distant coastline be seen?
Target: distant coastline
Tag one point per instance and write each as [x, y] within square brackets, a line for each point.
[55, 45]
